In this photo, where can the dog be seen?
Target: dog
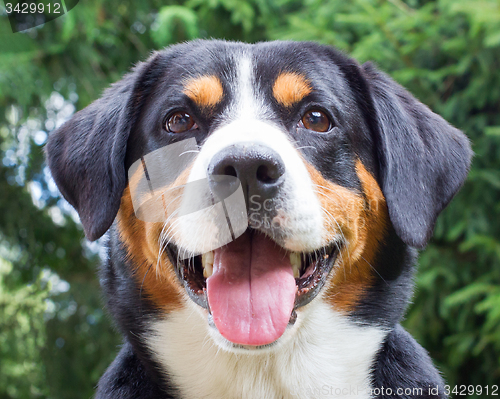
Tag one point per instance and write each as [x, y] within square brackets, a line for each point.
[337, 175]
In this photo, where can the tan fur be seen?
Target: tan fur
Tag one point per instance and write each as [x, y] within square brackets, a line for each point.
[154, 271]
[363, 222]
[205, 91]
[289, 88]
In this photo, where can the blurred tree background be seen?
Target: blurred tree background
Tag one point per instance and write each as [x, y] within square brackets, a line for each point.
[55, 338]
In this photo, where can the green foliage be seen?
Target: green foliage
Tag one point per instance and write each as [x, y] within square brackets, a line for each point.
[446, 52]
[174, 22]
[22, 337]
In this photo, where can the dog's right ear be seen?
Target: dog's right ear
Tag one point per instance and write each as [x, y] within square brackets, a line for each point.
[86, 155]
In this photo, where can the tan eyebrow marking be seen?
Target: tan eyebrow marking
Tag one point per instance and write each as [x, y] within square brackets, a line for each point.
[205, 91]
[289, 88]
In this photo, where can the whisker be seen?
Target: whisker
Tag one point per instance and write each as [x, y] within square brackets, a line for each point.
[332, 218]
[307, 146]
[341, 205]
[188, 151]
[375, 270]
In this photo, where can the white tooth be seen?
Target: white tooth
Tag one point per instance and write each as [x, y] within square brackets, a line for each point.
[208, 257]
[207, 261]
[296, 263]
[208, 270]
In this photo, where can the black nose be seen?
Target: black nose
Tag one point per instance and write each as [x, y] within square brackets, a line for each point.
[259, 169]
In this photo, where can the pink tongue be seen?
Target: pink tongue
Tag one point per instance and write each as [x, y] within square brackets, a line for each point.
[251, 291]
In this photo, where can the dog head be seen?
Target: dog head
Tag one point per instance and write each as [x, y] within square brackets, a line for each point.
[274, 173]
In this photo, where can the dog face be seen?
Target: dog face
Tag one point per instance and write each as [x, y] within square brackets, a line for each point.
[335, 164]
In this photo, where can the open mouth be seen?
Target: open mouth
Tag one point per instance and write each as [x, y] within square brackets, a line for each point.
[252, 286]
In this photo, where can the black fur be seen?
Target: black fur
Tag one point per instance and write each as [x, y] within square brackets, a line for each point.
[403, 364]
[86, 155]
[127, 377]
[423, 160]
[418, 159]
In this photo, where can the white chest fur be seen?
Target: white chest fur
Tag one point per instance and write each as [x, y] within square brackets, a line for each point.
[326, 356]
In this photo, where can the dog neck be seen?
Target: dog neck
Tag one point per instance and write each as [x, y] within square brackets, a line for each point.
[326, 355]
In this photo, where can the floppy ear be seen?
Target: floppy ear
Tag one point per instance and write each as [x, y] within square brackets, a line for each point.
[86, 155]
[423, 160]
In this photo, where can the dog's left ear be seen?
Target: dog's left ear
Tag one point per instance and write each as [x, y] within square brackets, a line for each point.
[423, 160]
[86, 155]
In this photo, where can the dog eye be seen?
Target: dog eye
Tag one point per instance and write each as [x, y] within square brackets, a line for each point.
[317, 121]
[180, 122]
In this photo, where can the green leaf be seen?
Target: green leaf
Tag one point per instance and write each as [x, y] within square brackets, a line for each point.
[468, 293]
[172, 17]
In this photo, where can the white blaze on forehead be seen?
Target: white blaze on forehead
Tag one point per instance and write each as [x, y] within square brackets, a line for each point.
[248, 103]
[246, 106]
